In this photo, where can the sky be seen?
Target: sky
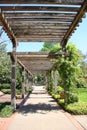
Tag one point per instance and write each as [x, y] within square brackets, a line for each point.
[79, 38]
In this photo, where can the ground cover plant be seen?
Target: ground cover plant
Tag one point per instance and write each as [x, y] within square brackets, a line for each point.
[6, 109]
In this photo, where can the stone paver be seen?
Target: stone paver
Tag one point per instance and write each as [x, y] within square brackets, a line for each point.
[41, 112]
[82, 120]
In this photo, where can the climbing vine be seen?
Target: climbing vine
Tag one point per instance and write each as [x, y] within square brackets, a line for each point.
[69, 70]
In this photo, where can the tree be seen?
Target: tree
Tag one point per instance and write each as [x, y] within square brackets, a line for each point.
[47, 46]
[5, 70]
[5, 65]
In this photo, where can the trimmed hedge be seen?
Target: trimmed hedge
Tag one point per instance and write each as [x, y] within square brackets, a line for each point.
[4, 86]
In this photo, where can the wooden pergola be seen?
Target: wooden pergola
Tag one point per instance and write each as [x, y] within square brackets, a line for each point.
[38, 21]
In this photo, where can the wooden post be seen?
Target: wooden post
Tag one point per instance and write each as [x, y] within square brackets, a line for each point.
[27, 88]
[47, 80]
[13, 82]
[23, 82]
[55, 81]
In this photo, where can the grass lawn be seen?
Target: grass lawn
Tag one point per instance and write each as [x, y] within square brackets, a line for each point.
[82, 93]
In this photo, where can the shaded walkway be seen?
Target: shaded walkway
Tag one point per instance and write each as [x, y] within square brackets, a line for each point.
[41, 112]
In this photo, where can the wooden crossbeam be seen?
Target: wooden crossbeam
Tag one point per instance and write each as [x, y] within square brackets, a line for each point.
[38, 30]
[38, 15]
[41, 26]
[39, 8]
[39, 34]
[25, 68]
[40, 19]
[39, 40]
[7, 28]
[69, 2]
[48, 23]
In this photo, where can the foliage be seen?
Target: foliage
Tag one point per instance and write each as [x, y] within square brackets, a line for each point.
[5, 71]
[19, 77]
[60, 89]
[77, 108]
[47, 46]
[6, 91]
[72, 98]
[5, 65]
[4, 86]
[81, 82]
[83, 65]
[39, 79]
[6, 109]
[69, 70]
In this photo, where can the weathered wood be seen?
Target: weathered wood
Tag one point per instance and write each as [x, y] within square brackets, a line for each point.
[75, 22]
[13, 85]
[55, 81]
[41, 35]
[38, 15]
[25, 23]
[23, 84]
[20, 63]
[35, 61]
[69, 2]
[43, 18]
[7, 28]
[40, 19]
[40, 8]
[39, 40]
[13, 81]
[40, 30]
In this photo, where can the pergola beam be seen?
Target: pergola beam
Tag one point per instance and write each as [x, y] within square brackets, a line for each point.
[38, 15]
[39, 8]
[20, 63]
[24, 19]
[39, 40]
[70, 2]
[7, 28]
[75, 22]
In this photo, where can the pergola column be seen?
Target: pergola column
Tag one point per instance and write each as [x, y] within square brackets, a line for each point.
[55, 81]
[13, 76]
[27, 82]
[23, 77]
[47, 80]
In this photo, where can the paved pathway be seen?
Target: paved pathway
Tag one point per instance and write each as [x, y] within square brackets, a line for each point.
[41, 112]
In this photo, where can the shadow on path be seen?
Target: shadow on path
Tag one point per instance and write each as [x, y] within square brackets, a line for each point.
[41, 108]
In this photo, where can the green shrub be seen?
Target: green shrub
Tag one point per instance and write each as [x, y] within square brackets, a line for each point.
[18, 91]
[72, 98]
[77, 108]
[56, 96]
[6, 91]
[81, 82]
[4, 86]
[6, 109]
[60, 89]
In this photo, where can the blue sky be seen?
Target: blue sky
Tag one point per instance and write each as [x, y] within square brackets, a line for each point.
[79, 38]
